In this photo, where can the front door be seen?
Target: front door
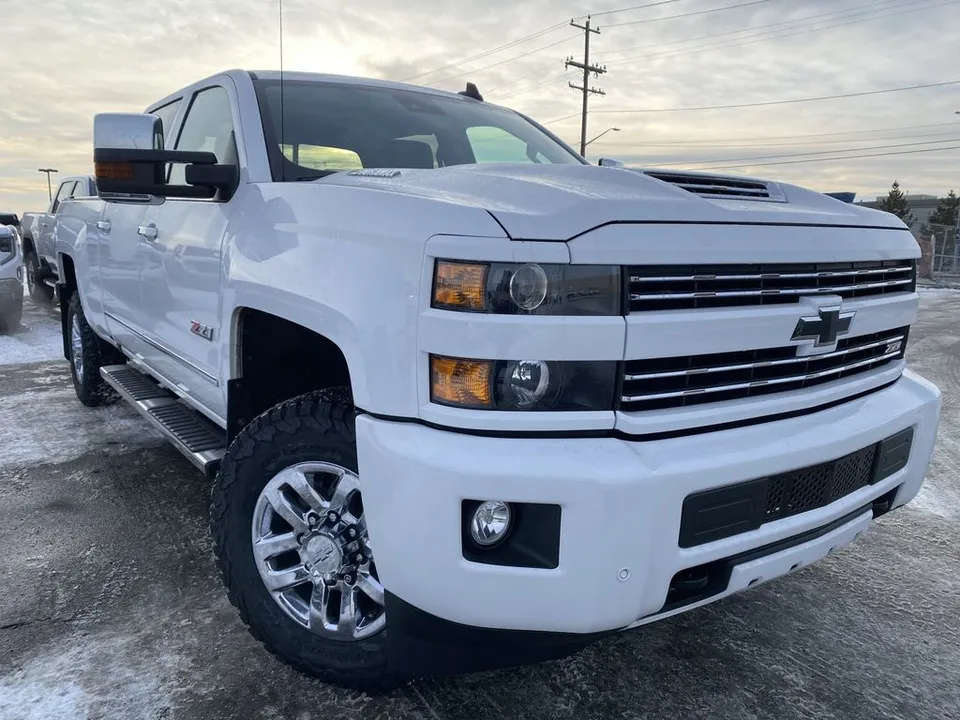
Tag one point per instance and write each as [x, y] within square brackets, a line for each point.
[180, 271]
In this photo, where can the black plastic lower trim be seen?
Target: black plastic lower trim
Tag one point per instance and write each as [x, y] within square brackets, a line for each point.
[419, 643]
[704, 581]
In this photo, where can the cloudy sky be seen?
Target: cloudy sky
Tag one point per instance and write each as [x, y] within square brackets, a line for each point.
[64, 60]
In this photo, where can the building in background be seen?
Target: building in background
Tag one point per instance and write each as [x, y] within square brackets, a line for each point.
[922, 207]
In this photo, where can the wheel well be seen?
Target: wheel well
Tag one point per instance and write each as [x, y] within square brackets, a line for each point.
[276, 360]
[27, 243]
[65, 290]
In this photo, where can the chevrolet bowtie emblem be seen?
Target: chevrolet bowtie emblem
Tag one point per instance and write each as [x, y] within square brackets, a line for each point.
[829, 324]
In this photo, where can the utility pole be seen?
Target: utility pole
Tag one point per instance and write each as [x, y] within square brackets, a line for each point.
[587, 69]
[49, 188]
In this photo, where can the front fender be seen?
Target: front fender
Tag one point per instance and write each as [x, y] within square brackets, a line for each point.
[345, 263]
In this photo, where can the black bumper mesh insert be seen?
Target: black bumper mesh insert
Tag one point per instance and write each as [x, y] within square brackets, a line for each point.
[733, 509]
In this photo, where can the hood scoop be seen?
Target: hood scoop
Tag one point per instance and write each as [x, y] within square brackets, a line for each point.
[718, 187]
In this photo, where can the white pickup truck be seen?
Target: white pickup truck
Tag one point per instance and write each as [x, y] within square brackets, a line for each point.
[469, 401]
[37, 229]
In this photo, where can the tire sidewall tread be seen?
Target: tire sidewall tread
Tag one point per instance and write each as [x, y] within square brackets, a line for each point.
[92, 390]
[317, 426]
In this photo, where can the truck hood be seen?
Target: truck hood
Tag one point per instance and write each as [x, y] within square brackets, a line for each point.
[559, 202]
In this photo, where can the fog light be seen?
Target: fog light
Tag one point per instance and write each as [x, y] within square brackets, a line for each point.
[490, 523]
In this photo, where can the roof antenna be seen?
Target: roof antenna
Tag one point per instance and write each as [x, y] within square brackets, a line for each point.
[471, 92]
[283, 164]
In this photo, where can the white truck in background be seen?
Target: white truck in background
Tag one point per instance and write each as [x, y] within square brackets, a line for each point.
[467, 401]
[11, 277]
[37, 231]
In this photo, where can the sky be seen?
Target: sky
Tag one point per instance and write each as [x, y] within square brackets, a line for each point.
[64, 61]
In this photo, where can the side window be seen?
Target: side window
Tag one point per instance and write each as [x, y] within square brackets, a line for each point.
[207, 127]
[83, 189]
[166, 114]
[495, 145]
[63, 192]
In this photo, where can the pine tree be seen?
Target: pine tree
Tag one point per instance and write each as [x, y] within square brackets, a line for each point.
[946, 212]
[896, 203]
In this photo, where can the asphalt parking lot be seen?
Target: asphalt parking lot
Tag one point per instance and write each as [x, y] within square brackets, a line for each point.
[111, 607]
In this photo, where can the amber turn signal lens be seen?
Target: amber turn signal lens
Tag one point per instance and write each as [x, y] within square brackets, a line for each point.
[114, 170]
[459, 286]
[462, 383]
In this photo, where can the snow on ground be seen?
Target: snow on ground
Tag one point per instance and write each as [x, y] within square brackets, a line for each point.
[67, 681]
[52, 426]
[37, 340]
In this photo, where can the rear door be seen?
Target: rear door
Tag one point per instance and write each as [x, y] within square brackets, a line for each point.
[181, 263]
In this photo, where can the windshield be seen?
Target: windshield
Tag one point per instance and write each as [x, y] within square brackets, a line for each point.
[338, 126]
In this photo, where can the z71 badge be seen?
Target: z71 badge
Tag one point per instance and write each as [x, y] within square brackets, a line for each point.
[204, 331]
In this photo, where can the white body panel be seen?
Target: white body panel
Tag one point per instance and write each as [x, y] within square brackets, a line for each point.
[620, 501]
[351, 258]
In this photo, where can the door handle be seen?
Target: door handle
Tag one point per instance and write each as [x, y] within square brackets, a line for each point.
[103, 226]
[148, 232]
[43, 224]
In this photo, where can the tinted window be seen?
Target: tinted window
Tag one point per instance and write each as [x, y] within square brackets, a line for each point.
[166, 114]
[81, 190]
[208, 127]
[63, 192]
[392, 127]
[496, 145]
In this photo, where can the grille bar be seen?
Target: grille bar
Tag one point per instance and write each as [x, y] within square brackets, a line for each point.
[659, 383]
[679, 287]
[773, 291]
[762, 363]
[760, 383]
[769, 275]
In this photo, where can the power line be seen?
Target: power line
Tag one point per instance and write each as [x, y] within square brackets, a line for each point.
[784, 32]
[833, 134]
[804, 20]
[808, 154]
[551, 81]
[636, 7]
[760, 142]
[776, 34]
[783, 102]
[474, 71]
[690, 14]
[556, 120]
[487, 53]
[833, 159]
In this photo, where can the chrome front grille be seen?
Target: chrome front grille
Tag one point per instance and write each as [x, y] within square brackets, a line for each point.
[659, 383]
[685, 287]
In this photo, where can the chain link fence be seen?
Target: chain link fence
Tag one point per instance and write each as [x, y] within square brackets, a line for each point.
[945, 252]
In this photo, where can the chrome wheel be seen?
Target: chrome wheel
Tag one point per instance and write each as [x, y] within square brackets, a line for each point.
[76, 347]
[312, 551]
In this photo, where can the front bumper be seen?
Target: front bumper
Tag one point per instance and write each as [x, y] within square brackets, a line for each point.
[621, 505]
[11, 293]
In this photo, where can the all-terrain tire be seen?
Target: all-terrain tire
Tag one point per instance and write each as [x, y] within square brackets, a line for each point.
[91, 388]
[317, 426]
[40, 293]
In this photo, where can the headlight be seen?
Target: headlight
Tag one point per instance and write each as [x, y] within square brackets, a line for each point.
[527, 289]
[522, 384]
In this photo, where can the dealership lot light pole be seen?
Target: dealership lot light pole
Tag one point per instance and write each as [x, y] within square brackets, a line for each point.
[48, 171]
